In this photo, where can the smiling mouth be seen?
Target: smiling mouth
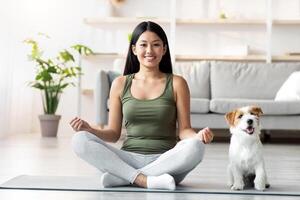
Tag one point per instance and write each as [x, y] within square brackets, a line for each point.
[249, 130]
[150, 57]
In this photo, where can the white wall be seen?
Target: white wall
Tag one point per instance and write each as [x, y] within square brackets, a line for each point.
[62, 20]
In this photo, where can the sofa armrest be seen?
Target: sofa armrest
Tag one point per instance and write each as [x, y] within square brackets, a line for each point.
[101, 95]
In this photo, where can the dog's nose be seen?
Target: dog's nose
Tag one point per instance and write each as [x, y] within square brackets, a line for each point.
[250, 121]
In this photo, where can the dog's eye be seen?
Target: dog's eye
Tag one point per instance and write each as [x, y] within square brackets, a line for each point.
[240, 116]
[251, 113]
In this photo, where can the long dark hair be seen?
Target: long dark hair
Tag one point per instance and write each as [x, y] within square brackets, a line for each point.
[132, 64]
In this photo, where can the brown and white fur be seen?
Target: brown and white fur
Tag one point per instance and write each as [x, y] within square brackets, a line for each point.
[246, 151]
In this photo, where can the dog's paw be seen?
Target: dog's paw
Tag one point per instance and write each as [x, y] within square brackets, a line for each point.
[230, 183]
[237, 186]
[260, 186]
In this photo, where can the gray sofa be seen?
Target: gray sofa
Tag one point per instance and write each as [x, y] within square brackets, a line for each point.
[219, 87]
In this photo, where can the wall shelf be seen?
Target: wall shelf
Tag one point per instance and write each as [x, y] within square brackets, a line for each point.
[221, 21]
[122, 20]
[128, 20]
[207, 57]
[223, 58]
[105, 55]
[236, 58]
[286, 22]
[285, 58]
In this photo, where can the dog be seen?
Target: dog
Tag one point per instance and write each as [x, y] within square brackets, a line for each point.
[246, 163]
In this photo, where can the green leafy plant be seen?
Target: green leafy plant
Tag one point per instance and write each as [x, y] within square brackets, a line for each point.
[53, 75]
[129, 37]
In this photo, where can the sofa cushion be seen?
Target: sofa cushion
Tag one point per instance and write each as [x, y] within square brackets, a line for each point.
[269, 107]
[199, 105]
[197, 76]
[249, 80]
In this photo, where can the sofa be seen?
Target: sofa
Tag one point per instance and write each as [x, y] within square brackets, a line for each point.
[217, 87]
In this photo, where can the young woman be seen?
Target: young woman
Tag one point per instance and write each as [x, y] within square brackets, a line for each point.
[151, 100]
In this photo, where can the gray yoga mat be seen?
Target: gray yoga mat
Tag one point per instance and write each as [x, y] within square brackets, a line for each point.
[79, 183]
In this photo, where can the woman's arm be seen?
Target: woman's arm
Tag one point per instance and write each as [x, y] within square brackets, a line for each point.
[113, 132]
[182, 98]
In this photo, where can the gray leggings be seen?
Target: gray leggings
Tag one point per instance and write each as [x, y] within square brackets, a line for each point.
[178, 161]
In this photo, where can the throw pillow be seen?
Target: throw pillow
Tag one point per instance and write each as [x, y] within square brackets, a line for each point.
[290, 90]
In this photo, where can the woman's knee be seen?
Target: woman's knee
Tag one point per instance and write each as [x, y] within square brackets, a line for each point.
[194, 150]
[79, 143]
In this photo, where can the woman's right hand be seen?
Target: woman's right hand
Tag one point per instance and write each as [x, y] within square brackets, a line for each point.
[80, 125]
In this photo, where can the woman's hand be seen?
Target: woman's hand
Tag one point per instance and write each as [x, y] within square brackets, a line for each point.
[80, 125]
[206, 135]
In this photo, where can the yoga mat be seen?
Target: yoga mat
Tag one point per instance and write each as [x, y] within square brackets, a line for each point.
[80, 183]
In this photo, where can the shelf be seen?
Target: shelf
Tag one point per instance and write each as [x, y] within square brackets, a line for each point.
[122, 20]
[286, 22]
[285, 58]
[127, 20]
[208, 57]
[223, 58]
[221, 21]
[236, 58]
[105, 55]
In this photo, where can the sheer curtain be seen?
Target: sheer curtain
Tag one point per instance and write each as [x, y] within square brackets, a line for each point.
[16, 98]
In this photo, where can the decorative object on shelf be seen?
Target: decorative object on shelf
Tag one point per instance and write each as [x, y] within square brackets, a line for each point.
[293, 54]
[222, 15]
[113, 7]
[53, 75]
[117, 3]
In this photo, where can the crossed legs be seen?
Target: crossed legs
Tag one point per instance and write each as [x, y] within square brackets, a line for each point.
[122, 167]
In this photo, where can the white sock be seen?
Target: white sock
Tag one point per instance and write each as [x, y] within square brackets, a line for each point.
[164, 181]
[109, 180]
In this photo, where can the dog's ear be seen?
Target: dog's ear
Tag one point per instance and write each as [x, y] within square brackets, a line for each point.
[230, 117]
[257, 110]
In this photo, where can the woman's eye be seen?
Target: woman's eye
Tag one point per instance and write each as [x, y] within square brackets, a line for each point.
[143, 45]
[157, 45]
[240, 116]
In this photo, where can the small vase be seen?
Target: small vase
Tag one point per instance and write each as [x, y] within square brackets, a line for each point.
[109, 9]
[49, 125]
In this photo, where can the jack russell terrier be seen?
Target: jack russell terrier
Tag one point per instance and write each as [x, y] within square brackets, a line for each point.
[246, 163]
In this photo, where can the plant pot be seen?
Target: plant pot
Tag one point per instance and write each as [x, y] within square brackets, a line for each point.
[49, 125]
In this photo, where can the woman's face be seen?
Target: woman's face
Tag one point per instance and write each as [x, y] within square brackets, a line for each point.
[149, 49]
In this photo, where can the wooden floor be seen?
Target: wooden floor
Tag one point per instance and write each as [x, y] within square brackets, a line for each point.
[33, 155]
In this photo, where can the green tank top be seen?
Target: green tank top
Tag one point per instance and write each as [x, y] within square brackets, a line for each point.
[150, 124]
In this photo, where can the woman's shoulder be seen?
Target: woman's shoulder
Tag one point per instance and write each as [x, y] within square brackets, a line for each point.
[180, 86]
[178, 80]
[120, 79]
[118, 83]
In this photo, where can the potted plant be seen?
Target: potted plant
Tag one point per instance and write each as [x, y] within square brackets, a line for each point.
[53, 75]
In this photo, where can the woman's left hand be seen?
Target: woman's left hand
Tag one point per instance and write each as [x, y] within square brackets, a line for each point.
[206, 135]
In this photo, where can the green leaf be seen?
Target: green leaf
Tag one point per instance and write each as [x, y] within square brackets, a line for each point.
[46, 76]
[52, 69]
[82, 49]
[35, 51]
[66, 56]
[38, 77]
[38, 86]
[63, 86]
